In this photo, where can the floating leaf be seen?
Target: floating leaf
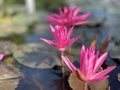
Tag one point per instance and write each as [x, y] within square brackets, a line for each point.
[77, 84]
[115, 52]
[9, 30]
[37, 55]
[9, 84]
[102, 85]
[7, 47]
[8, 71]
[9, 76]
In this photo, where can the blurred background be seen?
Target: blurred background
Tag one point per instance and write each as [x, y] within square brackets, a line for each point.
[22, 23]
[17, 17]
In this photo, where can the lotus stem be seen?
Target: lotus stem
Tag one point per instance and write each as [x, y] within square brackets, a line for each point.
[63, 71]
[85, 86]
[69, 50]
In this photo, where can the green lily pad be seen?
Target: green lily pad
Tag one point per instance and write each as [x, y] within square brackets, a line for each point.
[9, 84]
[8, 71]
[37, 55]
[9, 76]
[113, 7]
[10, 29]
[16, 8]
[7, 47]
[24, 19]
[77, 84]
[115, 53]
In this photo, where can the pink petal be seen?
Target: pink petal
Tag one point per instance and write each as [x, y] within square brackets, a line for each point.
[103, 72]
[85, 65]
[99, 79]
[73, 40]
[69, 64]
[53, 20]
[60, 11]
[100, 61]
[82, 55]
[82, 17]
[95, 59]
[83, 60]
[58, 46]
[54, 32]
[76, 12]
[90, 66]
[62, 49]
[93, 63]
[70, 14]
[70, 32]
[56, 16]
[52, 28]
[81, 22]
[1, 56]
[66, 10]
[48, 41]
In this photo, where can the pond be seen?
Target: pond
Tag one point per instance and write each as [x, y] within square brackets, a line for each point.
[40, 70]
[39, 63]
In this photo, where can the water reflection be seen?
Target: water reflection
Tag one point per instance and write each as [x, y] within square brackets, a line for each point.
[38, 79]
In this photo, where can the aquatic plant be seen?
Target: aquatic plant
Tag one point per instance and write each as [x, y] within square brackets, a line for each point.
[90, 60]
[68, 17]
[62, 37]
[62, 40]
[89, 66]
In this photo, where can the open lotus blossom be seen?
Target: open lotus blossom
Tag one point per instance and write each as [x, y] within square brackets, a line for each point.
[89, 65]
[68, 17]
[1, 56]
[61, 36]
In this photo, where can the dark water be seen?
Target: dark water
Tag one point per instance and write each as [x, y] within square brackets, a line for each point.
[114, 83]
[39, 79]
[50, 79]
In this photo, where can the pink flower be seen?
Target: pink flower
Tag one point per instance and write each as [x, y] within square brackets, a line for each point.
[1, 56]
[61, 36]
[68, 17]
[89, 65]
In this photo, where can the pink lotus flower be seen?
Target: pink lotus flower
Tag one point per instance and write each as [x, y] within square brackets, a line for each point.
[68, 17]
[89, 65]
[61, 36]
[1, 56]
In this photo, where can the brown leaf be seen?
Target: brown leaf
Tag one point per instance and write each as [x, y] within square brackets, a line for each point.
[94, 41]
[102, 85]
[104, 45]
[77, 84]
